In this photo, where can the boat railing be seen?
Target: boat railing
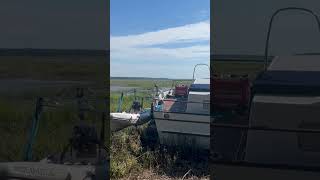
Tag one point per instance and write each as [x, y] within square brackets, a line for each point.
[195, 67]
[182, 101]
[310, 12]
[181, 106]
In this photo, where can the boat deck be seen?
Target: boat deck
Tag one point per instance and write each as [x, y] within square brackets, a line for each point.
[175, 105]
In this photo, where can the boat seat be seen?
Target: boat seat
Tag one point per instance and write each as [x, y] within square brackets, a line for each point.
[231, 92]
[174, 106]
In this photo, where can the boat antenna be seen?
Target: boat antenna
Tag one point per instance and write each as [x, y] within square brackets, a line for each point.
[270, 26]
[194, 69]
[156, 89]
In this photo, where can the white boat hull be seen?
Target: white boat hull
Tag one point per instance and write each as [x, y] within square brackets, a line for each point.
[44, 171]
[122, 120]
[284, 112]
[183, 129]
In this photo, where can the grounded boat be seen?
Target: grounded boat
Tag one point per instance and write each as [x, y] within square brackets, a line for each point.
[281, 139]
[182, 115]
[136, 115]
[122, 120]
[286, 97]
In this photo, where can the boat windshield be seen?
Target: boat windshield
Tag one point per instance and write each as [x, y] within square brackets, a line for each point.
[201, 85]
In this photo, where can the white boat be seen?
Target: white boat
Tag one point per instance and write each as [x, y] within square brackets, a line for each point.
[185, 121]
[287, 96]
[282, 141]
[122, 120]
[283, 132]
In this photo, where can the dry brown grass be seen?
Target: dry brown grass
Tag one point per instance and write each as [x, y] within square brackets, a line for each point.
[149, 174]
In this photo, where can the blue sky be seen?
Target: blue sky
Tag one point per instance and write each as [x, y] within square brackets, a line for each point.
[159, 38]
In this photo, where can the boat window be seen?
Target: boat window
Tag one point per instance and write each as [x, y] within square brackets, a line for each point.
[200, 87]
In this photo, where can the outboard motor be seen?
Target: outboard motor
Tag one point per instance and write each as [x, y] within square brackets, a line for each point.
[136, 106]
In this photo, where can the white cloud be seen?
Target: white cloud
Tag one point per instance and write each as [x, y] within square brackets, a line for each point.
[142, 46]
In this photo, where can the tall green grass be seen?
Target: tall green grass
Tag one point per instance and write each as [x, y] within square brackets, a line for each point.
[55, 128]
[125, 144]
[59, 67]
[127, 101]
[145, 83]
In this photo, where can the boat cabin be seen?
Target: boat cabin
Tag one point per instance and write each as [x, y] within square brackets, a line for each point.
[286, 99]
[199, 97]
[183, 116]
[184, 99]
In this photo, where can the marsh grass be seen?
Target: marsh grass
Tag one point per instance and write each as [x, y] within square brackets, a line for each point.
[13, 131]
[127, 101]
[55, 128]
[145, 83]
[59, 67]
[17, 105]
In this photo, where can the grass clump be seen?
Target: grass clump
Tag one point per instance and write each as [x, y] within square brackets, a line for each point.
[125, 148]
[136, 150]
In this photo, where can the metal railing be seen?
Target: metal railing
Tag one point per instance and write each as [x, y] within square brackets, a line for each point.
[181, 106]
[270, 26]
